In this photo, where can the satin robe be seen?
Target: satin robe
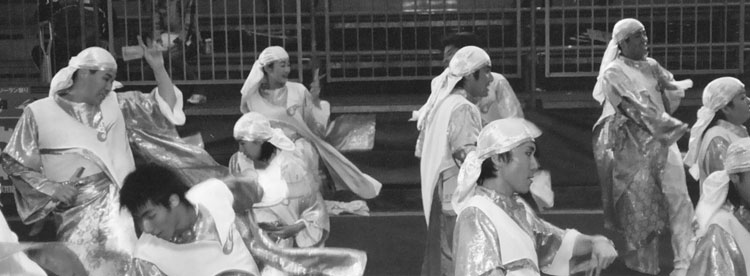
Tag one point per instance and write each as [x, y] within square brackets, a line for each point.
[639, 165]
[477, 248]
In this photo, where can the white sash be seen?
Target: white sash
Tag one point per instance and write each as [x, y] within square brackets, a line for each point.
[435, 147]
[515, 243]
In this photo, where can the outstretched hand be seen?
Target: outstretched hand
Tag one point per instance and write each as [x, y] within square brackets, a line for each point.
[152, 52]
[603, 253]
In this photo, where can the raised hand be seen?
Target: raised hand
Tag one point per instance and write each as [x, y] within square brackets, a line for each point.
[152, 52]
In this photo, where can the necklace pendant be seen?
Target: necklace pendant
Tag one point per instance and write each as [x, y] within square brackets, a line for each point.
[102, 136]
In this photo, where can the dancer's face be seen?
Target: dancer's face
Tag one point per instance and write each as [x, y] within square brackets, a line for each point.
[635, 46]
[738, 112]
[478, 87]
[159, 220]
[95, 85]
[278, 72]
[519, 171]
[251, 149]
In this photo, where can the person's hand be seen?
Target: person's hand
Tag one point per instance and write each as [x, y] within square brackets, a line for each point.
[603, 253]
[65, 193]
[152, 52]
[284, 232]
[315, 87]
[245, 190]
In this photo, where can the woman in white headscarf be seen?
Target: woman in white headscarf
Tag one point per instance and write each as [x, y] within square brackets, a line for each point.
[720, 122]
[722, 218]
[303, 117]
[292, 211]
[497, 233]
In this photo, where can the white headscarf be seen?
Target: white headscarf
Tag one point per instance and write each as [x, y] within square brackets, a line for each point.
[92, 58]
[716, 185]
[253, 81]
[253, 126]
[497, 137]
[622, 30]
[466, 61]
[717, 94]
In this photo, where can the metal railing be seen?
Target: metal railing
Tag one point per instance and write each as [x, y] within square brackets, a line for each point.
[364, 40]
[686, 36]
[400, 39]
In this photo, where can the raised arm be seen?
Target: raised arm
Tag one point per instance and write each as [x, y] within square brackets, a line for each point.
[154, 57]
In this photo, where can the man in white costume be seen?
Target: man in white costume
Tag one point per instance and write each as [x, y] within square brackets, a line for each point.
[451, 124]
[640, 167]
[500, 102]
[725, 109]
[70, 152]
[207, 230]
[304, 119]
[497, 233]
[722, 217]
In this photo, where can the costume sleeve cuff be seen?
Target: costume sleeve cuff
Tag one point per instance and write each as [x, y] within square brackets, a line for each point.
[561, 263]
[175, 115]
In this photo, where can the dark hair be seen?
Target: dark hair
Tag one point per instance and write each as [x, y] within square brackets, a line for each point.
[460, 83]
[151, 183]
[266, 151]
[733, 195]
[461, 39]
[718, 116]
[488, 169]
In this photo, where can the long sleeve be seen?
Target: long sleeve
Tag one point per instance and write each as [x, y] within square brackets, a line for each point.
[672, 97]
[633, 101]
[316, 117]
[305, 198]
[140, 267]
[316, 221]
[22, 162]
[715, 153]
[554, 246]
[463, 130]
[476, 250]
[150, 124]
[716, 254]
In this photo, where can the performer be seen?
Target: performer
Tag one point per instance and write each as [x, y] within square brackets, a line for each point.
[500, 102]
[206, 230]
[497, 233]
[640, 167]
[451, 124]
[70, 152]
[723, 219]
[304, 119]
[720, 122]
[293, 213]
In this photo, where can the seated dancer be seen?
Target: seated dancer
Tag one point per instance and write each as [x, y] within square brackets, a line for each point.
[496, 231]
[304, 119]
[719, 123]
[206, 230]
[292, 211]
[722, 217]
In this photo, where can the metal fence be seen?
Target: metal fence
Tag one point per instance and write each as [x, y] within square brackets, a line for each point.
[685, 36]
[363, 40]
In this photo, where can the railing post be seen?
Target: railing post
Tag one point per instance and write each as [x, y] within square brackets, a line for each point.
[742, 38]
[531, 57]
[299, 40]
